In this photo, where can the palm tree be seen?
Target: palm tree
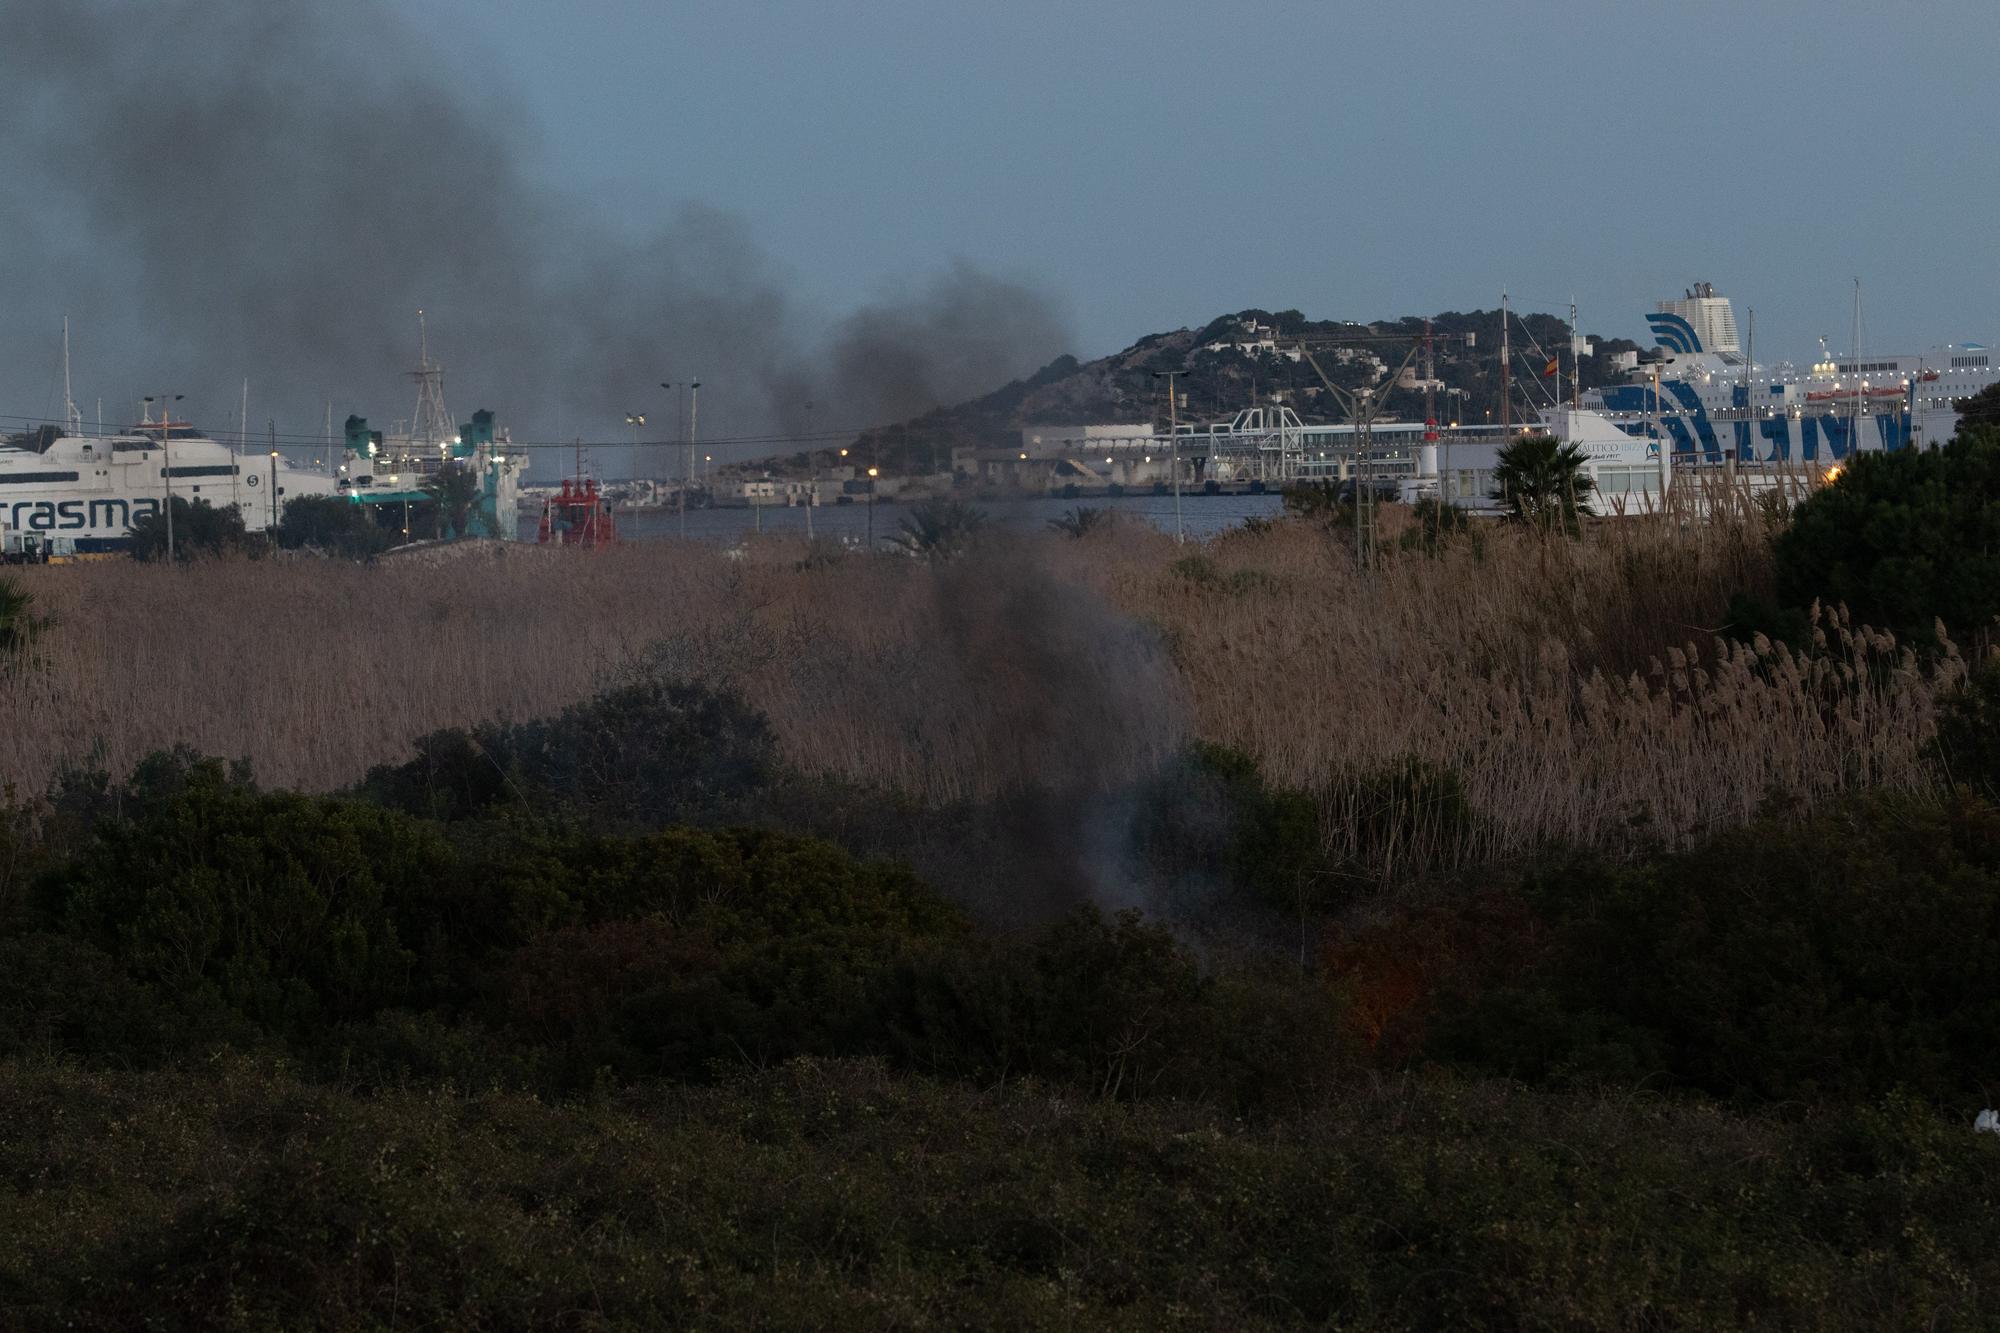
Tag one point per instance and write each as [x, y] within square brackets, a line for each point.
[1543, 482]
[455, 489]
[937, 530]
[1084, 520]
[19, 623]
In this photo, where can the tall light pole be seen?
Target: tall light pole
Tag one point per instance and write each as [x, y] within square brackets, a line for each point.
[694, 420]
[873, 472]
[812, 472]
[167, 463]
[635, 420]
[680, 416]
[1174, 446]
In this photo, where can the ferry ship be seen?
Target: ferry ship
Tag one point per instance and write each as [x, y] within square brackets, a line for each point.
[395, 471]
[1712, 404]
[62, 491]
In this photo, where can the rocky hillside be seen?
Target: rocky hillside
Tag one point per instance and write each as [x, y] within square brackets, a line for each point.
[1241, 359]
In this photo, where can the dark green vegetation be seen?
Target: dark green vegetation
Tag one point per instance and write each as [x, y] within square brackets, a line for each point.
[576, 1043]
[331, 523]
[615, 1019]
[1542, 483]
[21, 622]
[200, 529]
[939, 530]
[1905, 540]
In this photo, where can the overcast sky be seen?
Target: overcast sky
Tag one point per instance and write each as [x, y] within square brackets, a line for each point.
[1159, 162]
[787, 198]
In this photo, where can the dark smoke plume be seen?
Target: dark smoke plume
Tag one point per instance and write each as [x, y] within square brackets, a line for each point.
[214, 189]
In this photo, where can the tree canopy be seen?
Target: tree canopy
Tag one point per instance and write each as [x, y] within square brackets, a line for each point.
[1542, 482]
[200, 529]
[1904, 539]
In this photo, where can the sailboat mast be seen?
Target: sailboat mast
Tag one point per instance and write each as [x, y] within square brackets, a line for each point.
[1506, 394]
[72, 419]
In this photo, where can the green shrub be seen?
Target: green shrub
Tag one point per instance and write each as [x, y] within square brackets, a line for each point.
[1903, 539]
[285, 911]
[642, 755]
[1968, 731]
[333, 524]
[1209, 832]
[199, 529]
[1833, 958]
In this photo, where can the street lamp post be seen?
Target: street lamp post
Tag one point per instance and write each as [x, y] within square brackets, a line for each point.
[694, 420]
[680, 415]
[1174, 446]
[635, 420]
[167, 463]
[274, 495]
[873, 472]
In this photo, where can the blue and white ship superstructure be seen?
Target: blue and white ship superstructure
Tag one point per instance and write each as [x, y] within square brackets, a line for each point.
[1713, 405]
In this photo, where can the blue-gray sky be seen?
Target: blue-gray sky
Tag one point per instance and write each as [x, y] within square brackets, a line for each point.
[1157, 163]
[878, 206]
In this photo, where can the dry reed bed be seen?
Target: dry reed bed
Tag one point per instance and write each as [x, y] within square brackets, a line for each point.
[1575, 688]
[950, 685]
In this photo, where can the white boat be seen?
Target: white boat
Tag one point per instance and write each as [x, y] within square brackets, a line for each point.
[1712, 404]
[65, 490]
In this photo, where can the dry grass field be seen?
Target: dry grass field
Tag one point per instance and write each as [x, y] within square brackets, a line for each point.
[1578, 690]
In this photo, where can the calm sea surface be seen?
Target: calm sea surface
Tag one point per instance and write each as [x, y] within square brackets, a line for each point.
[1203, 515]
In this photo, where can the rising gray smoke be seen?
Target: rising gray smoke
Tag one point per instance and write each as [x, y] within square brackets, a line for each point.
[214, 190]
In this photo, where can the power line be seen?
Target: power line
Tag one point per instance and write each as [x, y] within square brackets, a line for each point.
[15, 422]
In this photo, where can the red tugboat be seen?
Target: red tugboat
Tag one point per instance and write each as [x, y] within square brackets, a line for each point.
[577, 516]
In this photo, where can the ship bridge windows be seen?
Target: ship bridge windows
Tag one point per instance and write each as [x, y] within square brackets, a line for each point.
[29, 478]
[1864, 367]
[1967, 362]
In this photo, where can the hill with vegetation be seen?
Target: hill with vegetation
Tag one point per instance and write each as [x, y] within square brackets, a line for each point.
[1226, 366]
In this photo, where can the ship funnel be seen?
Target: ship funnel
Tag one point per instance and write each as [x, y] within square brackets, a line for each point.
[361, 441]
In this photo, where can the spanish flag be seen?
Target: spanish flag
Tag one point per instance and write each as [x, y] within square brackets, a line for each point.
[1554, 365]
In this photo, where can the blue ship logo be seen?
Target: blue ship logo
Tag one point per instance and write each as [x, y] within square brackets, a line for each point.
[1674, 332]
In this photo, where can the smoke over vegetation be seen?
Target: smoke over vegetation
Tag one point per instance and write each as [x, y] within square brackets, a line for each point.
[214, 191]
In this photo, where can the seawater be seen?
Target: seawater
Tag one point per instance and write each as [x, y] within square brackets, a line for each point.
[1202, 516]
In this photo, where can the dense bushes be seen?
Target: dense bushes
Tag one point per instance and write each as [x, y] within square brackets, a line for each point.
[834, 1195]
[1904, 539]
[643, 754]
[1831, 959]
[535, 1028]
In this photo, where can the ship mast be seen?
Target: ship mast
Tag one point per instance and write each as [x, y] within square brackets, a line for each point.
[72, 419]
[430, 427]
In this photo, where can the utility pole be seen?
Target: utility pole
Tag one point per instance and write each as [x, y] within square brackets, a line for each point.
[167, 462]
[242, 443]
[812, 471]
[1174, 447]
[271, 425]
[1364, 405]
[687, 478]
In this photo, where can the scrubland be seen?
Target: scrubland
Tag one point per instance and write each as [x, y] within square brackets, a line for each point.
[1581, 693]
[1520, 933]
